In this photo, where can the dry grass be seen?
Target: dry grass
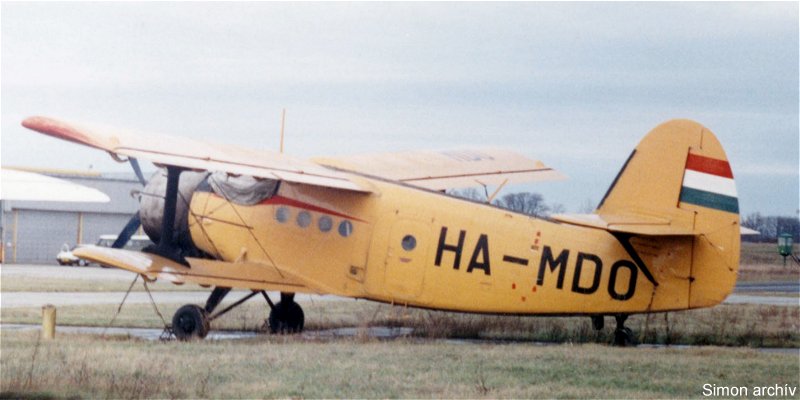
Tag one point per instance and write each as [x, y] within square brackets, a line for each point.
[269, 367]
[768, 273]
[21, 283]
[760, 253]
[725, 325]
[760, 262]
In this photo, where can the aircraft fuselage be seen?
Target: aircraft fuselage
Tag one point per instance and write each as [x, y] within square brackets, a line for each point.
[407, 246]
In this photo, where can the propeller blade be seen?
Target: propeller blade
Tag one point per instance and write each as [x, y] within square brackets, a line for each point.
[135, 164]
[128, 231]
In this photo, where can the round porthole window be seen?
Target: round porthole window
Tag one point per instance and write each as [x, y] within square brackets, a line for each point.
[408, 243]
[345, 228]
[282, 214]
[325, 223]
[303, 219]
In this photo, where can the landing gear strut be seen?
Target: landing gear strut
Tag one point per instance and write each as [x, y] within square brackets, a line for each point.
[193, 322]
[286, 316]
[623, 336]
[597, 322]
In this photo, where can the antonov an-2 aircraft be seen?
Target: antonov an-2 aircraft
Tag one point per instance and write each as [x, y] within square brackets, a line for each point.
[665, 237]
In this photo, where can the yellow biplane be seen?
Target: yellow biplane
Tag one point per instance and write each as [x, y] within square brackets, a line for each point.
[665, 237]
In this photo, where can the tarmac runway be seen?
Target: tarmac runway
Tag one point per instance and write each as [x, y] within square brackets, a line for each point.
[34, 299]
[772, 287]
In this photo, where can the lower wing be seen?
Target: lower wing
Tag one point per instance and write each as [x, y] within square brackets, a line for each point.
[245, 275]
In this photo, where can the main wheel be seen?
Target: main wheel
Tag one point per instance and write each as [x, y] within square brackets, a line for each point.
[624, 337]
[286, 317]
[190, 322]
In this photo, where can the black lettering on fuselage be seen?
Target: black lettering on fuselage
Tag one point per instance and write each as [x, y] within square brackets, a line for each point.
[612, 280]
[448, 247]
[598, 268]
[481, 249]
[559, 262]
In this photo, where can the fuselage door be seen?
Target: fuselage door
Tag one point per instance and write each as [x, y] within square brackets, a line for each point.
[406, 258]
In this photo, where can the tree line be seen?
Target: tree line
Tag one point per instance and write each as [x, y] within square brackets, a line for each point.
[533, 204]
[528, 203]
[769, 227]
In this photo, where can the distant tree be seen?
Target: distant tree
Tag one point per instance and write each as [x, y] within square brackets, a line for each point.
[587, 207]
[769, 227]
[557, 208]
[525, 202]
[468, 193]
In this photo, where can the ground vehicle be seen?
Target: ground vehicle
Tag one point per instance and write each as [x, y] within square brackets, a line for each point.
[137, 242]
[65, 256]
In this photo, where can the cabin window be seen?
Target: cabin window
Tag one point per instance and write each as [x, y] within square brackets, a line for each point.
[408, 243]
[303, 219]
[345, 228]
[282, 214]
[325, 223]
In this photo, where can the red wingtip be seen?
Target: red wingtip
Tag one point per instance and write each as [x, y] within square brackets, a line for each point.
[58, 129]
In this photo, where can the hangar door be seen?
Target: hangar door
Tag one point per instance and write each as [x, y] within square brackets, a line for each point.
[40, 235]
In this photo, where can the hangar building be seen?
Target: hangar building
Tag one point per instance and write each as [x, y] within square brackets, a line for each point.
[35, 231]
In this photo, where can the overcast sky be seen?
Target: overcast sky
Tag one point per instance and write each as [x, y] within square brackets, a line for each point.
[576, 85]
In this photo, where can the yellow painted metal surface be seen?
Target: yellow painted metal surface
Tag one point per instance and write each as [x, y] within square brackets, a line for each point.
[478, 258]
[656, 243]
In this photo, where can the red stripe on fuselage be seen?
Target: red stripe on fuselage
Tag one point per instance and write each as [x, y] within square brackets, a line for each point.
[280, 200]
[709, 166]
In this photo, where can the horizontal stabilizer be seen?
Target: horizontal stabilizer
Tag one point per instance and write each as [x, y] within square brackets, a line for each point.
[635, 224]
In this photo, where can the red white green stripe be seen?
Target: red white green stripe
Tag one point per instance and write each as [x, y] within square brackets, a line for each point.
[708, 182]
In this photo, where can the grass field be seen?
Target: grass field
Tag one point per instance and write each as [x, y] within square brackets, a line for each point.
[270, 367]
[18, 283]
[426, 364]
[725, 325]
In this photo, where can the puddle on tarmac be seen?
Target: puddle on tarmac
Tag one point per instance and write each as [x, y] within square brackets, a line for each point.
[376, 332]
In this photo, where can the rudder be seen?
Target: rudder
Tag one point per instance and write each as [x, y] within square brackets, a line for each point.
[679, 179]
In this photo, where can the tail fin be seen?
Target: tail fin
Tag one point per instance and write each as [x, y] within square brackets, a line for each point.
[678, 182]
[677, 172]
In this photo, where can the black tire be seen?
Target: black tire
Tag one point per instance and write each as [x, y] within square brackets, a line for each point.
[190, 322]
[286, 317]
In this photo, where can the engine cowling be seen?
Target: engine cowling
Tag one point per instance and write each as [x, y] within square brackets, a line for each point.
[240, 190]
[151, 208]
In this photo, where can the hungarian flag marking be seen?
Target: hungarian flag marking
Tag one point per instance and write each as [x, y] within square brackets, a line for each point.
[708, 182]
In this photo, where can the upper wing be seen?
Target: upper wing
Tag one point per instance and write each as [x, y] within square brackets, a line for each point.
[194, 154]
[439, 170]
[21, 185]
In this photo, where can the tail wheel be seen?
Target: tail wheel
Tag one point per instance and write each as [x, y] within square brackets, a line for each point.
[286, 317]
[190, 322]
